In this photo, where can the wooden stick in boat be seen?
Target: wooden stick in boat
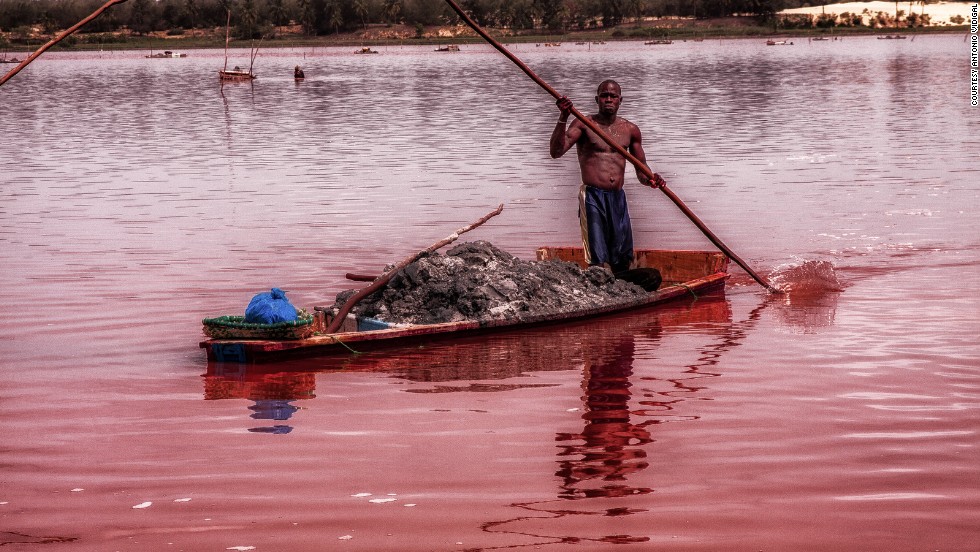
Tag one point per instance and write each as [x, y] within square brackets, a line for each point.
[384, 278]
[61, 36]
[227, 36]
[620, 149]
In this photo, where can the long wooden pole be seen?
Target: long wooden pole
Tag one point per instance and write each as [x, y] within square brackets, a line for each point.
[640, 166]
[227, 35]
[58, 38]
[384, 278]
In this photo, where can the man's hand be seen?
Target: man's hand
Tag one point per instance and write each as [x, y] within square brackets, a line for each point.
[657, 181]
[565, 105]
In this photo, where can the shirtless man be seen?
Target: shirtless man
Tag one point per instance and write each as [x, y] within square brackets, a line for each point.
[603, 215]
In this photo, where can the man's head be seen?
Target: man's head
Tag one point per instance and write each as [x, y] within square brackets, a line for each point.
[608, 97]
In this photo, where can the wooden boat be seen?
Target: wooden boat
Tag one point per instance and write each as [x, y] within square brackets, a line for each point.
[366, 50]
[236, 74]
[450, 48]
[166, 54]
[892, 37]
[685, 274]
[472, 358]
[778, 43]
[657, 42]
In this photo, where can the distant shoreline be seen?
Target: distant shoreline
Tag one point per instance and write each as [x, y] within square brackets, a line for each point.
[838, 20]
[96, 41]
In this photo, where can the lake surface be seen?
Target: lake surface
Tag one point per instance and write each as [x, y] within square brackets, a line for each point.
[138, 196]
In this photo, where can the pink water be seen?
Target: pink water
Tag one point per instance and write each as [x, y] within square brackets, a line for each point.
[138, 196]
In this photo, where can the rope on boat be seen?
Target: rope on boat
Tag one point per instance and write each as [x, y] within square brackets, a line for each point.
[688, 288]
[346, 346]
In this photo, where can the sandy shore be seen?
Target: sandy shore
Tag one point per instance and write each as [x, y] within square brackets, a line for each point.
[939, 13]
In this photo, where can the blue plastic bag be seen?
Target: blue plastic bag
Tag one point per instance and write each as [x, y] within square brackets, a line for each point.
[270, 308]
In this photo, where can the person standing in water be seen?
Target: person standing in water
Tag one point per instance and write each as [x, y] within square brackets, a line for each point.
[603, 214]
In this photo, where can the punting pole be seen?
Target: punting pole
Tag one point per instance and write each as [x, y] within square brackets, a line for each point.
[61, 36]
[620, 149]
[384, 278]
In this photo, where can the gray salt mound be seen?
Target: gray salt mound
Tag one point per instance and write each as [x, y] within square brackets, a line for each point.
[478, 281]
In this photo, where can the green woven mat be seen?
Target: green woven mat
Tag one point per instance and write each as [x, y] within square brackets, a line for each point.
[235, 327]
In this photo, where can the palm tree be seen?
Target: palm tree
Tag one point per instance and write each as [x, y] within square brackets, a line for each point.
[361, 10]
[192, 14]
[335, 15]
[392, 9]
[278, 14]
[247, 28]
[307, 16]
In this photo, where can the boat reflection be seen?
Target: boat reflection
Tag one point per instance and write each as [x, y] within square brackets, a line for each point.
[482, 359]
[272, 393]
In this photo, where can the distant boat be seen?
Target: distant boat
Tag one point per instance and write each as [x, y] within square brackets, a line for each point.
[659, 41]
[236, 74]
[778, 43]
[892, 37]
[450, 48]
[365, 50]
[5, 59]
[166, 54]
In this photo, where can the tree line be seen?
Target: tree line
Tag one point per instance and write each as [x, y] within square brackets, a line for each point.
[263, 18]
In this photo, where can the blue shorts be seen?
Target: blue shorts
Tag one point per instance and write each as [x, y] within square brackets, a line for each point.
[606, 232]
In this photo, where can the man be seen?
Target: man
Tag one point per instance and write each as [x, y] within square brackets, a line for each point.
[603, 215]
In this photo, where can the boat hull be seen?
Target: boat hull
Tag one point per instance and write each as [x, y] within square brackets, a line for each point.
[686, 274]
[235, 76]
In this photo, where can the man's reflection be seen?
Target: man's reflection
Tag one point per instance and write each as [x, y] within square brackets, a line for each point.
[609, 448]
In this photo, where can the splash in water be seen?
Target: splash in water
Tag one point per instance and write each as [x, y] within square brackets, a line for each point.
[809, 301]
[805, 277]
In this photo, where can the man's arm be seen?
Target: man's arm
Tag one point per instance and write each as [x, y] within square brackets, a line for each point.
[562, 140]
[636, 148]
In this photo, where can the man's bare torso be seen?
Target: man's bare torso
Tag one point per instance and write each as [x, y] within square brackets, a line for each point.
[602, 167]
